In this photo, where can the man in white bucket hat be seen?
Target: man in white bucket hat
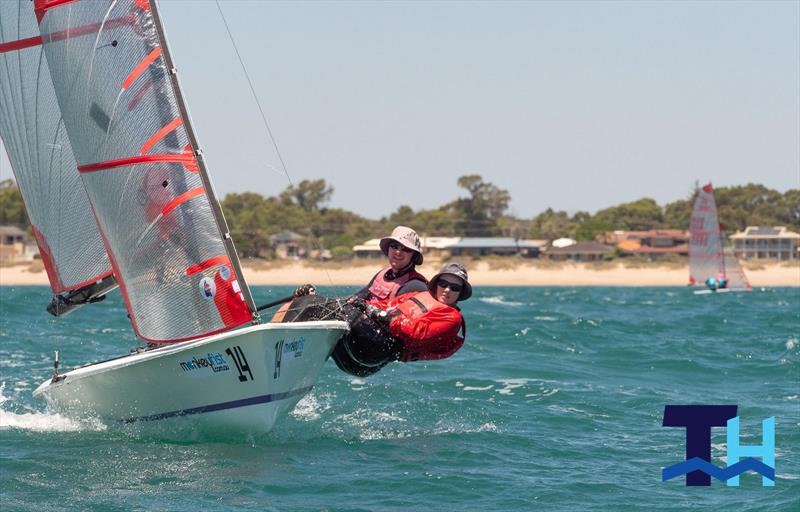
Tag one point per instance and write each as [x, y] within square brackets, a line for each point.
[404, 251]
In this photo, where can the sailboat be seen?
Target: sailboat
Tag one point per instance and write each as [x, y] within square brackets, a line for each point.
[116, 188]
[710, 258]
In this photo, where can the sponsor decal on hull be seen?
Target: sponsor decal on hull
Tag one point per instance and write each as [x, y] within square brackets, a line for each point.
[205, 365]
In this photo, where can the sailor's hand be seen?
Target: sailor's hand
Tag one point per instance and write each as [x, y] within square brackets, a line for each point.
[357, 303]
[306, 289]
[377, 314]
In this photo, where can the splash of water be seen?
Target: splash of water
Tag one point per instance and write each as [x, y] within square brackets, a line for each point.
[41, 421]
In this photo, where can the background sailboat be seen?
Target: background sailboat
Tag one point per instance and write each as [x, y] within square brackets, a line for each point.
[144, 204]
[708, 255]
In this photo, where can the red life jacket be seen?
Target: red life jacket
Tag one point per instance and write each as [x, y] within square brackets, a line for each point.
[383, 289]
[428, 329]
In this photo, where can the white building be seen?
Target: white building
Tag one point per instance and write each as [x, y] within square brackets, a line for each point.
[777, 243]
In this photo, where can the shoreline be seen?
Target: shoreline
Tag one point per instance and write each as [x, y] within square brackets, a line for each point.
[481, 273]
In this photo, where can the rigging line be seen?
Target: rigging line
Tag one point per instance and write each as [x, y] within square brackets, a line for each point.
[264, 118]
[255, 96]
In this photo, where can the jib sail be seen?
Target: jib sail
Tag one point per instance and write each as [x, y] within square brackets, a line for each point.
[139, 161]
[42, 159]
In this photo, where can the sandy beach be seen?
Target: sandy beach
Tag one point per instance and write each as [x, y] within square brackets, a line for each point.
[482, 273]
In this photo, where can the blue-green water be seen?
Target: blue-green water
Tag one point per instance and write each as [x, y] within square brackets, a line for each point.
[554, 403]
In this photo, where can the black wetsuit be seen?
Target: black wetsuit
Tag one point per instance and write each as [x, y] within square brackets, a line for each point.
[368, 346]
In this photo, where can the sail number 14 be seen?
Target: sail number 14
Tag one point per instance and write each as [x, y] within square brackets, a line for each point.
[241, 363]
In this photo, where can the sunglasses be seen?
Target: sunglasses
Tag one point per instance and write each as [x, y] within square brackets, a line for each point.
[398, 247]
[455, 287]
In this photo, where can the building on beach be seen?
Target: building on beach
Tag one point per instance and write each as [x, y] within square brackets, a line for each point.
[439, 247]
[653, 243]
[579, 251]
[288, 244]
[766, 242]
[480, 246]
[14, 245]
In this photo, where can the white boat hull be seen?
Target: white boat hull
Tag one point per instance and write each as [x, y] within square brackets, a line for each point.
[241, 380]
[722, 290]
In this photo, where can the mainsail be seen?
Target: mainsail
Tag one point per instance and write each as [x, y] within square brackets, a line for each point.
[142, 169]
[42, 159]
[708, 256]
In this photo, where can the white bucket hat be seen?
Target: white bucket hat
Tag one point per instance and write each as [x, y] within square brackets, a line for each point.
[406, 237]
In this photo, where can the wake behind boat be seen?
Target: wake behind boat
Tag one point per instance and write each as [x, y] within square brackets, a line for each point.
[711, 263]
[118, 194]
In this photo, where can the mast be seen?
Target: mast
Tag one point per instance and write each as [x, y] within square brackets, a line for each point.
[216, 209]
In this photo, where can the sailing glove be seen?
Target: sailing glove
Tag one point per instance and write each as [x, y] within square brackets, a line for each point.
[377, 314]
[306, 289]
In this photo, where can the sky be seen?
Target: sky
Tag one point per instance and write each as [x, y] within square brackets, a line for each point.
[570, 105]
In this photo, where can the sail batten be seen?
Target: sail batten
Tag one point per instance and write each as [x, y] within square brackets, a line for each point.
[139, 162]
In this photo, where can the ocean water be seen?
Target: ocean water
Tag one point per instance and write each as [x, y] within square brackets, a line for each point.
[555, 403]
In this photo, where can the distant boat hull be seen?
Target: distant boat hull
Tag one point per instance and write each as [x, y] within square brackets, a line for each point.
[723, 290]
[240, 381]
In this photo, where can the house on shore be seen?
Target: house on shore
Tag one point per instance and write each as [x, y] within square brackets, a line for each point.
[579, 251]
[477, 246]
[775, 242]
[447, 247]
[370, 249]
[653, 243]
[288, 244]
[14, 246]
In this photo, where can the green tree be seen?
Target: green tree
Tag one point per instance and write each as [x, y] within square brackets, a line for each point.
[678, 213]
[404, 216]
[551, 224]
[12, 209]
[438, 222]
[640, 215]
[477, 215]
[308, 195]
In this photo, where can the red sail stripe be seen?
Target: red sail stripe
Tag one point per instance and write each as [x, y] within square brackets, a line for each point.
[191, 163]
[136, 160]
[85, 30]
[138, 70]
[143, 4]
[182, 199]
[40, 7]
[92, 28]
[53, 275]
[160, 134]
[20, 44]
[218, 260]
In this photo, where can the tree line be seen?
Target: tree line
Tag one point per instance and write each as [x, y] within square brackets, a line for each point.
[480, 211]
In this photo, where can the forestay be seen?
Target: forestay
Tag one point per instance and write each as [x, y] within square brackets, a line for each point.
[140, 164]
[42, 159]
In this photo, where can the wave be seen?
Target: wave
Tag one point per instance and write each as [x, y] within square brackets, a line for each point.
[42, 421]
[498, 299]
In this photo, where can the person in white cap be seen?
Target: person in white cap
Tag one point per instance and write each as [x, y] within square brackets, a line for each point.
[404, 252]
